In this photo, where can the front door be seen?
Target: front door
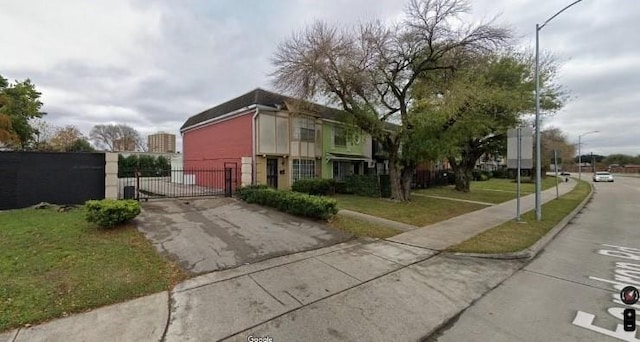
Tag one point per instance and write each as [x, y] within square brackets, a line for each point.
[272, 172]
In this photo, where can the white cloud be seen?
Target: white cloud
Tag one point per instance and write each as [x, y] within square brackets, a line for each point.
[154, 64]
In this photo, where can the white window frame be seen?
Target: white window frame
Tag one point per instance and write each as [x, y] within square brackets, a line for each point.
[306, 125]
[337, 129]
[303, 169]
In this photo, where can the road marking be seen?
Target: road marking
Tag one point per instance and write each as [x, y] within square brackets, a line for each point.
[625, 274]
[585, 320]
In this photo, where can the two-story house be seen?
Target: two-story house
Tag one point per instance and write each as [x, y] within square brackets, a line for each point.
[273, 139]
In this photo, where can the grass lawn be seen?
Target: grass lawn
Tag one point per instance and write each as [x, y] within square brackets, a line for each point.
[421, 211]
[495, 190]
[513, 236]
[362, 228]
[53, 264]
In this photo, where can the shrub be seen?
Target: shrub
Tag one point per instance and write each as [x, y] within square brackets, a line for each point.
[340, 187]
[322, 187]
[501, 173]
[480, 175]
[364, 185]
[291, 202]
[249, 188]
[107, 213]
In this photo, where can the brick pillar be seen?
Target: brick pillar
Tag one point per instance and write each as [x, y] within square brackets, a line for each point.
[111, 175]
[246, 171]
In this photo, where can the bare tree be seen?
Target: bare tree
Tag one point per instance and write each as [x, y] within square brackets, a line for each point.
[116, 137]
[369, 71]
[552, 139]
[64, 138]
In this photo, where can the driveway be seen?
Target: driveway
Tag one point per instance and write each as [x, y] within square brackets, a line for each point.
[205, 235]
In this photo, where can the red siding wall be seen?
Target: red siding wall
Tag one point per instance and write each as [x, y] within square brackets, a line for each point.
[214, 146]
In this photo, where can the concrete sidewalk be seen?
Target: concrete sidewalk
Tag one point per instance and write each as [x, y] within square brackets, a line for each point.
[455, 230]
[376, 290]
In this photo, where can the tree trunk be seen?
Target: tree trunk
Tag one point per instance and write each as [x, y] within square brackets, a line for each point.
[462, 173]
[405, 181]
[395, 177]
[463, 178]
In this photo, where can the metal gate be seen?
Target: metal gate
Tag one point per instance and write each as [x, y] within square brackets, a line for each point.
[158, 183]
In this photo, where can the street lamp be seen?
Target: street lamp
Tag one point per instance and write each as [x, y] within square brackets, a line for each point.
[537, 75]
[580, 152]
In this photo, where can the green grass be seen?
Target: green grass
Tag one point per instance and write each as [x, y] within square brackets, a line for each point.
[53, 264]
[420, 211]
[495, 190]
[361, 228]
[514, 236]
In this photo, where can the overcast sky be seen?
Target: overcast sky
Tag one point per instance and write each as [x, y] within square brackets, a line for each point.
[152, 64]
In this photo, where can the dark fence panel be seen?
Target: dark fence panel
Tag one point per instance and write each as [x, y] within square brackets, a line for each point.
[424, 179]
[28, 178]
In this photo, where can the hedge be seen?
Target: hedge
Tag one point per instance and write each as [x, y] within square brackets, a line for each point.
[361, 185]
[364, 185]
[108, 213]
[481, 175]
[291, 202]
[321, 187]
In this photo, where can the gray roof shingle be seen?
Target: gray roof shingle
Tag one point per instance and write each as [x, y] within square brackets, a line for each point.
[258, 97]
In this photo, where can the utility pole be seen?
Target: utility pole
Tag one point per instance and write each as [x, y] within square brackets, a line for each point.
[537, 77]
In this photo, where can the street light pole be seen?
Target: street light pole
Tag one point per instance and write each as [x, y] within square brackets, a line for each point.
[537, 76]
[580, 152]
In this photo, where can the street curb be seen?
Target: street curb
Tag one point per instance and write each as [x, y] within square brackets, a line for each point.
[540, 244]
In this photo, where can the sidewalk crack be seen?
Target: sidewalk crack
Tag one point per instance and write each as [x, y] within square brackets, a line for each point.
[265, 290]
[15, 336]
[294, 298]
[339, 270]
[166, 326]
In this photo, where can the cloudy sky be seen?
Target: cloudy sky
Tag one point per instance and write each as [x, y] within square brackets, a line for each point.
[152, 64]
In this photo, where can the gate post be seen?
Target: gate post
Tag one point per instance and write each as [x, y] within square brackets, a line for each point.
[228, 182]
[137, 174]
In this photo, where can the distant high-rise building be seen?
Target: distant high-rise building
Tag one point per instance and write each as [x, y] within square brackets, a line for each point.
[162, 142]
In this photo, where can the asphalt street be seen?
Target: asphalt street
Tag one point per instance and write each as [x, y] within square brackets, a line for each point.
[570, 291]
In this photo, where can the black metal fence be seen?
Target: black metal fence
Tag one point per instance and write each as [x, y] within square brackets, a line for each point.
[424, 179]
[145, 184]
[28, 178]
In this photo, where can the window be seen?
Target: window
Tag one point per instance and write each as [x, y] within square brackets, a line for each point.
[343, 169]
[304, 129]
[339, 137]
[304, 169]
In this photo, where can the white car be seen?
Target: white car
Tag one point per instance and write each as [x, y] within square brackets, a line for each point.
[602, 177]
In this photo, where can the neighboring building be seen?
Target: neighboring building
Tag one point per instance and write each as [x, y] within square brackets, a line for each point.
[277, 138]
[162, 142]
[124, 144]
[344, 153]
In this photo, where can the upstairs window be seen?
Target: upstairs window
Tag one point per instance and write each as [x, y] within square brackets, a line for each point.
[339, 137]
[304, 129]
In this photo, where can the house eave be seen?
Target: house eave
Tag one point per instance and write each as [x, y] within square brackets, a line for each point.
[228, 116]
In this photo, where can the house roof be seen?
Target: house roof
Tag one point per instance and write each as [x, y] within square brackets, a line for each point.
[259, 97]
[266, 98]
